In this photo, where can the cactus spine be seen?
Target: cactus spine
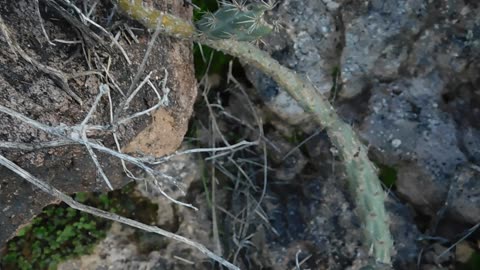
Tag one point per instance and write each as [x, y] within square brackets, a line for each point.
[236, 21]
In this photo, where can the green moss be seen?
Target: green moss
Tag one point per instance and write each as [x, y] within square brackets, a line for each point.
[335, 84]
[58, 233]
[206, 184]
[61, 232]
[297, 137]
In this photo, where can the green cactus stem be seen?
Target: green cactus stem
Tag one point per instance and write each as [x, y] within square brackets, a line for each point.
[239, 23]
[361, 172]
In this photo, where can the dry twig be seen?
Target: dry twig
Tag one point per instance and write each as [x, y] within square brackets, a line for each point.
[37, 10]
[77, 134]
[107, 215]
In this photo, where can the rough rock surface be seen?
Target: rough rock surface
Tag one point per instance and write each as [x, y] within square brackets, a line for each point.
[463, 196]
[291, 161]
[315, 214]
[407, 79]
[39, 96]
[410, 131]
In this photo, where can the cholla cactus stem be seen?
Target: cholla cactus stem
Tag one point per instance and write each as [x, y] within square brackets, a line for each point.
[253, 21]
[243, 22]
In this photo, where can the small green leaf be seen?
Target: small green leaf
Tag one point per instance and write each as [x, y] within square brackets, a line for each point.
[10, 258]
[81, 197]
[388, 175]
[104, 200]
[23, 231]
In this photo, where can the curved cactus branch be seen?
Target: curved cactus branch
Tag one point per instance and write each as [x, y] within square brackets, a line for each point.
[361, 172]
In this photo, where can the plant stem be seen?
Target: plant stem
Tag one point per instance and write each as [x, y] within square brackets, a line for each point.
[361, 172]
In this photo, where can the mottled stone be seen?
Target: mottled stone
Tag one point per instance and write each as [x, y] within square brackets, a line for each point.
[417, 64]
[464, 197]
[377, 38]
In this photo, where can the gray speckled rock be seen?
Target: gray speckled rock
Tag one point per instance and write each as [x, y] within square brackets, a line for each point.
[308, 43]
[410, 131]
[471, 143]
[377, 39]
[417, 65]
[310, 46]
[464, 196]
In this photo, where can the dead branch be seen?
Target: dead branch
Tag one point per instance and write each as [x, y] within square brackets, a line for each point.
[107, 215]
[77, 134]
[37, 10]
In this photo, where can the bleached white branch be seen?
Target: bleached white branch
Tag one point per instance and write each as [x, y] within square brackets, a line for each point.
[224, 150]
[103, 90]
[74, 134]
[34, 146]
[107, 215]
[162, 101]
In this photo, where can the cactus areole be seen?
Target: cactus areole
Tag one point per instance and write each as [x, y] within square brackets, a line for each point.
[239, 22]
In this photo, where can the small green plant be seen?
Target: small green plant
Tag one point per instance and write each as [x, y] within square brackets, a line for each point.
[61, 232]
[218, 64]
[58, 233]
[388, 175]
